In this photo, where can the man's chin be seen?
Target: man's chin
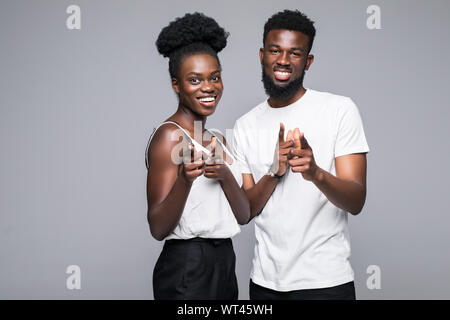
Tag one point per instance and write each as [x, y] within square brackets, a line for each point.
[281, 83]
[279, 89]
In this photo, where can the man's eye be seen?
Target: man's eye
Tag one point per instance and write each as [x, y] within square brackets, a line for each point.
[297, 54]
[215, 78]
[274, 51]
[194, 81]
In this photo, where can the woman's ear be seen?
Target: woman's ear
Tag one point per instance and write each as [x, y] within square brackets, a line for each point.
[175, 86]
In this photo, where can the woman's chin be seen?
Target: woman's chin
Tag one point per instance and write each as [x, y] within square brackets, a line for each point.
[207, 111]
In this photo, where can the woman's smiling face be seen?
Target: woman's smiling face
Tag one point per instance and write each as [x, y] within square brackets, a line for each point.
[199, 83]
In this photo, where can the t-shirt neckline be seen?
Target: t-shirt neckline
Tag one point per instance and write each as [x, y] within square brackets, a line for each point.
[292, 105]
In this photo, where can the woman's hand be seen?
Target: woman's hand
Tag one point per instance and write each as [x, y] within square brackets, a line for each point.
[215, 168]
[193, 165]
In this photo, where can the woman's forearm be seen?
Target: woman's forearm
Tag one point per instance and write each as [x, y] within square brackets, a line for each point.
[236, 198]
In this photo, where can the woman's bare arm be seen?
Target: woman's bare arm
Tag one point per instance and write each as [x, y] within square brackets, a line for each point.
[168, 184]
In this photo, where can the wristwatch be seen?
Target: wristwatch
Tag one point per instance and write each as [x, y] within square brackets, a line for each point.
[274, 175]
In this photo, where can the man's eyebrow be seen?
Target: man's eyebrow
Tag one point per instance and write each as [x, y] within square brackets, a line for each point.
[293, 48]
[298, 48]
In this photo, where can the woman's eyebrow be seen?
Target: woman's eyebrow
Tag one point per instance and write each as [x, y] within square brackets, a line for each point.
[193, 73]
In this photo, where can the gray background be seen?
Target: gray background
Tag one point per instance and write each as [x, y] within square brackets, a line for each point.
[77, 108]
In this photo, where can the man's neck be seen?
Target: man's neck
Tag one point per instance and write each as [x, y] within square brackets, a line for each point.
[276, 103]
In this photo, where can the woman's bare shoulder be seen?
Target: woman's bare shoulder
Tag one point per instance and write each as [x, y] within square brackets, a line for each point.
[164, 139]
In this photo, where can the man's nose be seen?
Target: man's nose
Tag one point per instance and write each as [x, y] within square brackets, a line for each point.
[284, 59]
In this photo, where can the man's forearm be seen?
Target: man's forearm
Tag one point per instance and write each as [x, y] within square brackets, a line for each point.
[260, 193]
[347, 195]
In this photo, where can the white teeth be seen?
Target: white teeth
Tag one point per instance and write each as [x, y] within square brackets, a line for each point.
[207, 99]
[282, 73]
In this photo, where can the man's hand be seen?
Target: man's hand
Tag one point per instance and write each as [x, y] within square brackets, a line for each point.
[282, 149]
[215, 168]
[302, 157]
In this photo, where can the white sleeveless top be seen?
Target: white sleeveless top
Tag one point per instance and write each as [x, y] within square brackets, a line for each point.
[207, 213]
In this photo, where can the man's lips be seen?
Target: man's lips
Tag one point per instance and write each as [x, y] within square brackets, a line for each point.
[207, 101]
[282, 75]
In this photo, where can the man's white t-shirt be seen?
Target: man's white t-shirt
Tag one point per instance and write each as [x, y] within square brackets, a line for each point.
[302, 239]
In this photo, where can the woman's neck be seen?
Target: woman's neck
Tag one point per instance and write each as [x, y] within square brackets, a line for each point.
[188, 120]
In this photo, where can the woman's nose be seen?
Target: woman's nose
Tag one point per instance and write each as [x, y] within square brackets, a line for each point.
[207, 87]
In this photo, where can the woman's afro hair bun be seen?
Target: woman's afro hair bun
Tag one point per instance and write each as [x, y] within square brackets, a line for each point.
[191, 28]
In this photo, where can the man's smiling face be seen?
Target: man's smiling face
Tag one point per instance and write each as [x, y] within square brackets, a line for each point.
[284, 60]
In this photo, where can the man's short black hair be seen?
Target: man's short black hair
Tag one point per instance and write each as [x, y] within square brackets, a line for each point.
[291, 20]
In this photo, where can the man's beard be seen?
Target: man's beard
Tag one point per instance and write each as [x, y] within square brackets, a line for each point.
[278, 92]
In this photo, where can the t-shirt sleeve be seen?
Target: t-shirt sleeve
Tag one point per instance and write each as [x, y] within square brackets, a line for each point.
[350, 132]
[237, 147]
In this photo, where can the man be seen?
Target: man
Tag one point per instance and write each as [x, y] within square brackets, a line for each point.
[300, 200]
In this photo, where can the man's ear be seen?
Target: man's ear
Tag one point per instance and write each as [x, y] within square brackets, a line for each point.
[175, 86]
[261, 54]
[309, 61]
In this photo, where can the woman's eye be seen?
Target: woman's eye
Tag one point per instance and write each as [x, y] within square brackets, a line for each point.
[194, 81]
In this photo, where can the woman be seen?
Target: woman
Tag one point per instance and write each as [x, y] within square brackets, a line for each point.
[195, 205]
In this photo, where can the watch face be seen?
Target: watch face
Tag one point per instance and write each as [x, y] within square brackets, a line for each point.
[273, 175]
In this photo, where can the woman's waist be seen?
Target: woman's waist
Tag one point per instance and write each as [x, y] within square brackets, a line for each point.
[212, 241]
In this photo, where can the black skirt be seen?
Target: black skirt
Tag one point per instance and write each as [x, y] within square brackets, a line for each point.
[196, 269]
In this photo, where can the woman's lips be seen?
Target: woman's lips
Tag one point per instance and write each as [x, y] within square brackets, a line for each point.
[282, 75]
[209, 101]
